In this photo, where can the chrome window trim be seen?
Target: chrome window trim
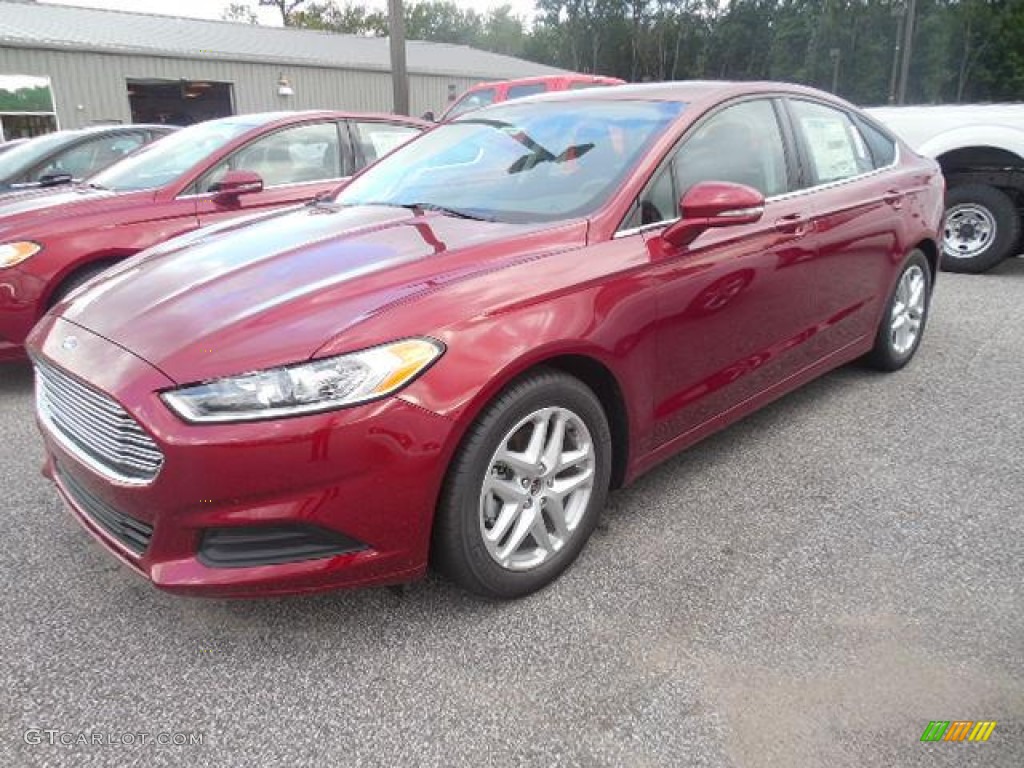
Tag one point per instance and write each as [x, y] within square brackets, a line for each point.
[897, 156]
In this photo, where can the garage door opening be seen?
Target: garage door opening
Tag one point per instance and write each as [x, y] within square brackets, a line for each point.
[178, 102]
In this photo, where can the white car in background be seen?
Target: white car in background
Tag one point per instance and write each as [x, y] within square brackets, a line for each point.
[981, 151]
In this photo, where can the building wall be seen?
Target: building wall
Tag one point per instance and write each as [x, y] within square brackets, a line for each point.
[91, 87]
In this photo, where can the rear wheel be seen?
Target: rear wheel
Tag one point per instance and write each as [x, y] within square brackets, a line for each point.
[982, 227]
[525, 490]
[899, 333]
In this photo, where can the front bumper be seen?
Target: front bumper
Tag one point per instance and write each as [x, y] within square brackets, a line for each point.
[368, 475]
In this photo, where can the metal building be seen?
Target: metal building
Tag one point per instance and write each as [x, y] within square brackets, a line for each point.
[112, 66]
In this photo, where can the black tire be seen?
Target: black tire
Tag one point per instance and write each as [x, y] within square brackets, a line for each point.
[77, 279]
[459, 551]
[965, 206]
[886, 355]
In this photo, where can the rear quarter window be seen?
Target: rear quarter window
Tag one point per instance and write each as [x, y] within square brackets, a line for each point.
[883, 147]
[520, 91]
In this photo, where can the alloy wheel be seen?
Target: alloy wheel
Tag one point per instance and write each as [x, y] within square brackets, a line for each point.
[537, 487]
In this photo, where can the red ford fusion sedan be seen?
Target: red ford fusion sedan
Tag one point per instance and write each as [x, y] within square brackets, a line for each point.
[455, 358]
[53, 241]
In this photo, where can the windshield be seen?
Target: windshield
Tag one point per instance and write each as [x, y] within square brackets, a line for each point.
[17, 160]
[523, 162]
[165, 160]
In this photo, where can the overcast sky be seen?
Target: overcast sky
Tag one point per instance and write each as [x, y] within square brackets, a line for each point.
[212, 9]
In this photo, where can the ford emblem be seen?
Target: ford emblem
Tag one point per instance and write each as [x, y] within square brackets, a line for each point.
[70, 343]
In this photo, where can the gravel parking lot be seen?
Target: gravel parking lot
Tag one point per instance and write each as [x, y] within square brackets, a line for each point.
[809, 588]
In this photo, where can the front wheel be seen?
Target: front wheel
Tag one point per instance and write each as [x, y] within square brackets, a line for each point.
[525, 490]
[902, 326]
[982, 227]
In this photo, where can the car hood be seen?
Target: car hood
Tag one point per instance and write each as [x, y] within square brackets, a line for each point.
[277, 290]
[25, 209]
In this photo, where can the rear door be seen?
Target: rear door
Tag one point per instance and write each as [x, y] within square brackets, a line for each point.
[859, 200]
[296, 164]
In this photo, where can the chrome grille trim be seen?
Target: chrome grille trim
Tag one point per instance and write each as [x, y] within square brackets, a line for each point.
[94, 428]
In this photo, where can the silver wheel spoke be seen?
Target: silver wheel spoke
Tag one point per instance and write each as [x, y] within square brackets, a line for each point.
[553, 449]
[555, 512]
[538, 438]
[519, 463]
[566, 485]
[519, 533]
[539, 530]
[571, 459]
[505, 490]
[509, 514]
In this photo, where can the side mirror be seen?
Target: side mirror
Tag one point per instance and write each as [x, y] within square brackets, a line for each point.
[55, 178]
[237, 183]
[429, 116]
[713, 204]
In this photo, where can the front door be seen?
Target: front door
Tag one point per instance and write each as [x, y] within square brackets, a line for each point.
[295, 163]
[737, 307]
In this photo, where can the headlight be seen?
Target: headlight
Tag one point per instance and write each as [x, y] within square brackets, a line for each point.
[319, 385]
[12, 254]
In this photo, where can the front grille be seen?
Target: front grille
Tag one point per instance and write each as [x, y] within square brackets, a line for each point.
[134, 534]
[95, 428]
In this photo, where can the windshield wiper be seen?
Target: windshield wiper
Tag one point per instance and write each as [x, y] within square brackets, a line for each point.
[414, 207]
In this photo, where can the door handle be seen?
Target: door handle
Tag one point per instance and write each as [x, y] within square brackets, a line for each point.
[793, 224]
[894, 198]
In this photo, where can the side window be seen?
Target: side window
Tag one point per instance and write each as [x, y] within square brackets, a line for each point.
[519, 91]
[377, 139]
[471, 101]
[883, 148]
[295, 155]
[836, 149]
[741, 144]
[91, 156]
[582, 85]
[658, 202]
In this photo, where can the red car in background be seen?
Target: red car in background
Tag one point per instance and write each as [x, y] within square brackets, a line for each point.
[484, 94]
[456, 357]
[53, 241]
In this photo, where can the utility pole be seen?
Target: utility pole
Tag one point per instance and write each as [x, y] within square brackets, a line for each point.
[834, 54]
[899, 13]
[908, 44]
[399, 74]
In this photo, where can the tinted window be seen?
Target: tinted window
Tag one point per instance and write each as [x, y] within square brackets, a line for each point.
[519, 91]
[835, 147]
[90, 156]
[883, 148]
[472, 100]
[741, 144]
[19, 159]
[658, 202]
[518, 162]
[164, 161]
[377, 139]
[291, 156]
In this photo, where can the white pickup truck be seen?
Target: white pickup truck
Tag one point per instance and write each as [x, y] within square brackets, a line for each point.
[981, 151]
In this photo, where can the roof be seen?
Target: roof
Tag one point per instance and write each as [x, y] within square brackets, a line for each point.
[32, 25]
[699, 93]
